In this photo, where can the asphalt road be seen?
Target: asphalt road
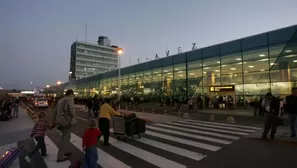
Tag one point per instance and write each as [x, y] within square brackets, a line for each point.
[187, 144]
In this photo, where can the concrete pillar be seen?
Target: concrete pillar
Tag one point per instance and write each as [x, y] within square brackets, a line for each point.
[211, 78]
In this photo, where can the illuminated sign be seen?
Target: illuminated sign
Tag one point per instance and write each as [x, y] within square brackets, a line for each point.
[222, 88]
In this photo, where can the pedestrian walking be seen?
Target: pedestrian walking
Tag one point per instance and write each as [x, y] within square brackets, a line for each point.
[15, 110]
[106, 112]
[90, 139]
[38, 132]
[89, 106]
[290, 107]
[272, 108]
[65, 119]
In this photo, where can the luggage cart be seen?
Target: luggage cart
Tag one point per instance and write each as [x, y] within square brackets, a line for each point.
[119, 127]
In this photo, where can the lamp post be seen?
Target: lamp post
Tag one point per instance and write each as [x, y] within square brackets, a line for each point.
[70, 75]
[58, 84]
[120, 52]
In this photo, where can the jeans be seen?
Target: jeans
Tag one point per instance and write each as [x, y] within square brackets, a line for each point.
[40, 145]
[293, 118]
[15, 112]
[90, 158]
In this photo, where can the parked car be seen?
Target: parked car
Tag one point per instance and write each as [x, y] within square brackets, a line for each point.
[40, 102]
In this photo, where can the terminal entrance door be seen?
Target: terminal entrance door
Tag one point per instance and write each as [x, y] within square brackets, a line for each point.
[225, 92]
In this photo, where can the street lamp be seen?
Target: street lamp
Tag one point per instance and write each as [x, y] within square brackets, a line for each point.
[120, 52]
[59, 83]
[70, 73]
[47, 86]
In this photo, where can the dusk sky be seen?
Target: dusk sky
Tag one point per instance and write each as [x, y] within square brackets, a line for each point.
[35, 35]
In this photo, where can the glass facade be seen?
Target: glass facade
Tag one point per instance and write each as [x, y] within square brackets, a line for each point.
[252, 65]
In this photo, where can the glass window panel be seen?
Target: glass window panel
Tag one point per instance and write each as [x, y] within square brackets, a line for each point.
[231, 64]
[231, 79]
[195, 77]
[255, 61]
[211, 61]
[194, 64]
[180, 67]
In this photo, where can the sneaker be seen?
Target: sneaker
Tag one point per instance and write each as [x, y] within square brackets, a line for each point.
[28, 159]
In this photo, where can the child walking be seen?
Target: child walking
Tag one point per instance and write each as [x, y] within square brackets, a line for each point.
[90, 138]
[38, 133]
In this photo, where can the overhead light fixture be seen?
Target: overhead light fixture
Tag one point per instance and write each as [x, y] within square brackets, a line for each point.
[224, 65]
[262, 70]
[206, 68]
[180, 72]
[262, 55]
[233, 69]
[165, 71]
[168, 73]
[289, 56]
[294, 60]
[180, 75]
[288, 51]
[238, 59]
[272, 63]
[218, 62]
[192, 74]
[176, 69]
[204, 72]
[265, 59]
[217, 70]
[251, 66]
[246, 71]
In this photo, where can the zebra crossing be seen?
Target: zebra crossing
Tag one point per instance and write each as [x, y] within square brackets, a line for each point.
[177, 144]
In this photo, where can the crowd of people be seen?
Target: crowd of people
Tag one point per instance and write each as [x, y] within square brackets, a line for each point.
[9, 108]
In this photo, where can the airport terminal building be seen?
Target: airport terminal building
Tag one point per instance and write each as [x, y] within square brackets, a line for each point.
[242, 68]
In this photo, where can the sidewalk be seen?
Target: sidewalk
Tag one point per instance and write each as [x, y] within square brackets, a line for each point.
[282, 135]
[13, 131]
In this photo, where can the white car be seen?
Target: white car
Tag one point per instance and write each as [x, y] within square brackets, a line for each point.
[40, 102]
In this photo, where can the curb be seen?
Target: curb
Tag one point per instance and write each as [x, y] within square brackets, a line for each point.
[32, 114]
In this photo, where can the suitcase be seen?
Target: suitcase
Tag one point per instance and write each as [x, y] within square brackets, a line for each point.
[131, 128]
[7, 159]
[130, 117]
[140, 126]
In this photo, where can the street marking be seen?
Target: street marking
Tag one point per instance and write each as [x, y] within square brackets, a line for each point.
[52, 151]
[172, 149]
[197, 131]
[212, 129]
[105, 160]
[223, 124]
[145, 155]
[4, 148]
[184, 141]
[221, 127]
[190, 135]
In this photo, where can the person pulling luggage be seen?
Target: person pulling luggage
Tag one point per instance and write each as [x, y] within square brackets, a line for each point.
[106, 112]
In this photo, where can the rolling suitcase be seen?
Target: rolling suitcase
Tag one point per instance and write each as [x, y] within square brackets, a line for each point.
[7, 159]
[140, 126]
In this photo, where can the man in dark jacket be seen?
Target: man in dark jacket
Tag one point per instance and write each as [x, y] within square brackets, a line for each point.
[290, 104]
[272, 108]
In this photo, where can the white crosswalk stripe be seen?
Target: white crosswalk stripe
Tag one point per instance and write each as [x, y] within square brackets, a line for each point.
[188, 140]
[176, 144]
